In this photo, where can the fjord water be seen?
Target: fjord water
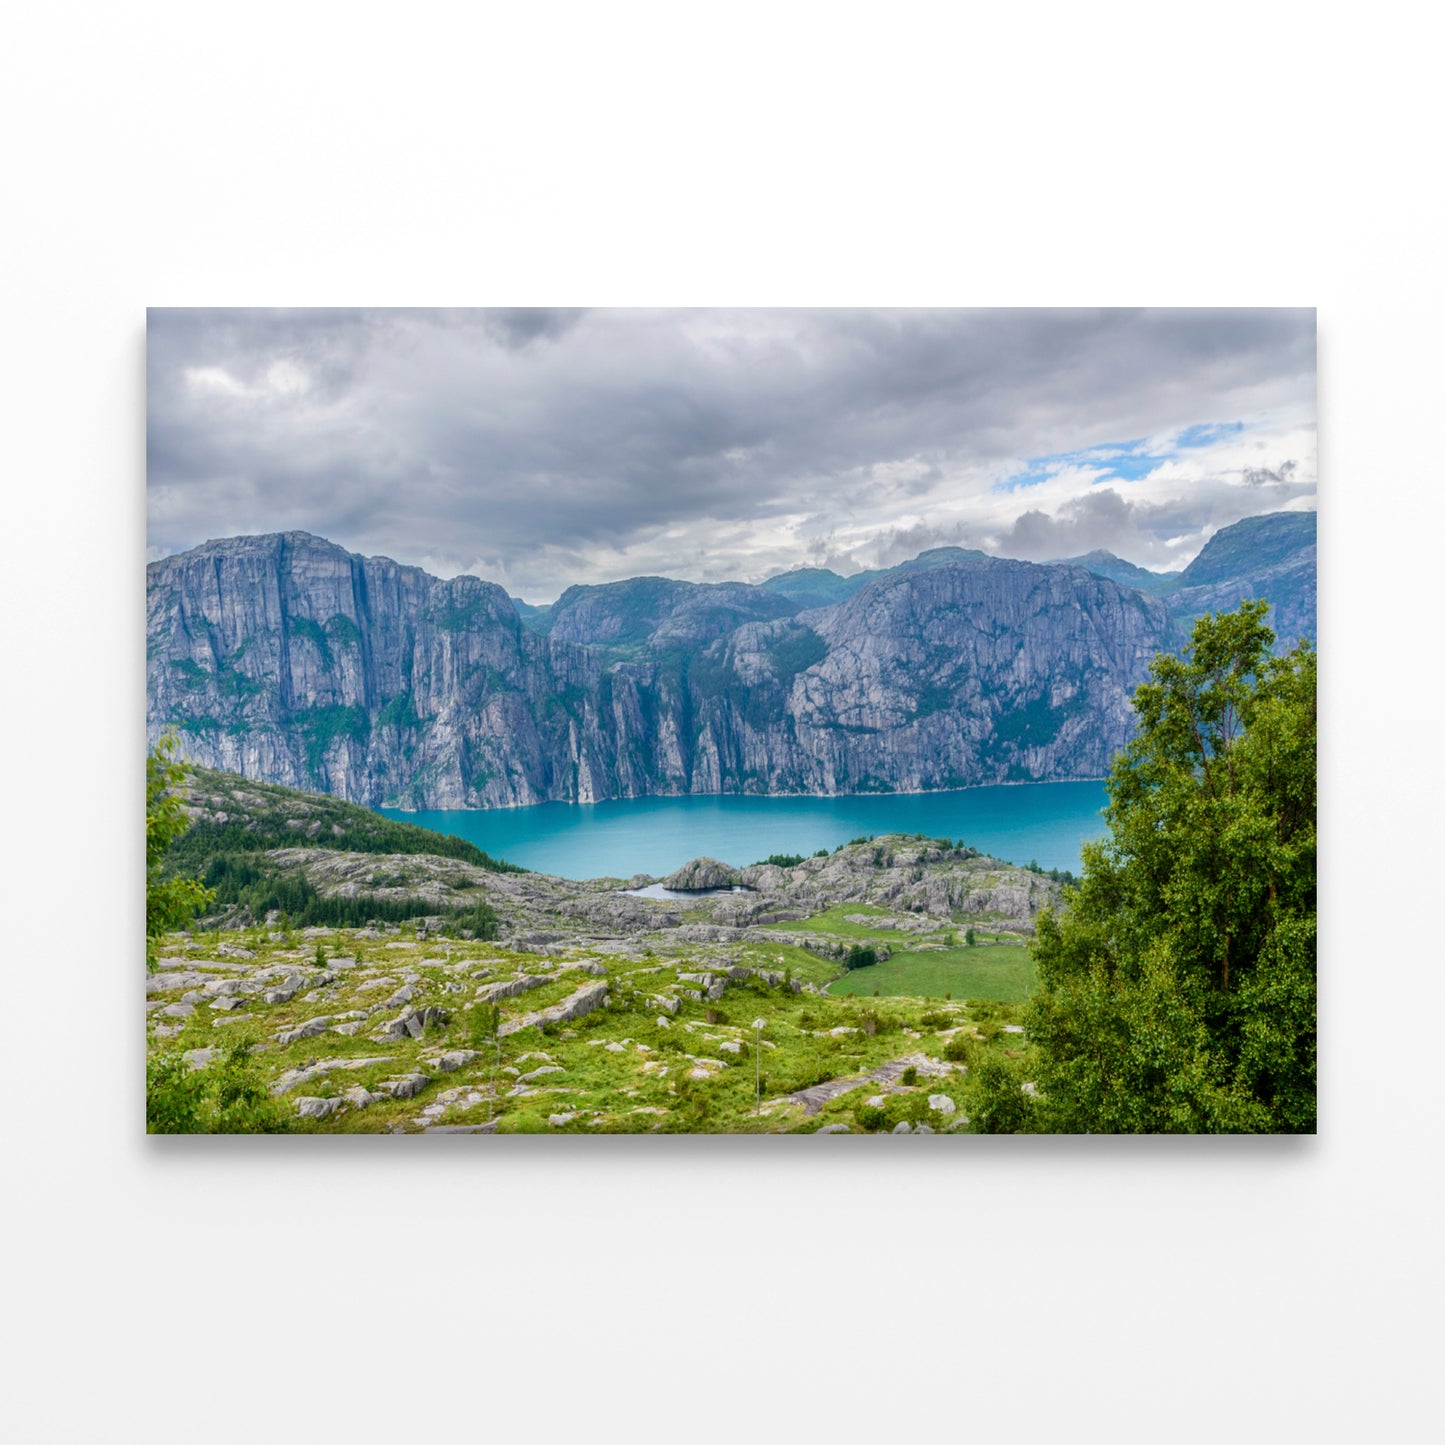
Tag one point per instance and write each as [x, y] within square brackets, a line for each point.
[1019, 823]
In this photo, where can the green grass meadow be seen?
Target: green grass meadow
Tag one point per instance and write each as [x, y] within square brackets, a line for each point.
[1001, 972]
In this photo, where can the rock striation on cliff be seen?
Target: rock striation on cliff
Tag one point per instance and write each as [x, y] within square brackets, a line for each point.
[285, 658]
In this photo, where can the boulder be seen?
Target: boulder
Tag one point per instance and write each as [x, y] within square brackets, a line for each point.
[700, 875]
[311, 1108]
[492, 992]
[941, 1104]
[450, 1062]
[308, 1030]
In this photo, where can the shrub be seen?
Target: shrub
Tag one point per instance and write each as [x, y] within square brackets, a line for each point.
[870, 1116]
[958, 1049]
[909, 1076]
[998, 1104]
[228, 1097]
[860, 956]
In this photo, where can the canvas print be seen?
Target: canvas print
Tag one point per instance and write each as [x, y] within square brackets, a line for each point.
[852, 722]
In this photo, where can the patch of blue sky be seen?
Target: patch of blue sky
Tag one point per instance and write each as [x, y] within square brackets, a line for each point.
[1116, 461]
[1207, 433]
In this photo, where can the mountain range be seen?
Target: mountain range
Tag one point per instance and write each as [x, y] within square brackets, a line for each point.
[286, 658]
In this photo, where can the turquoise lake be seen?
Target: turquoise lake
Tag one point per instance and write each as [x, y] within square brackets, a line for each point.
[1019, 823]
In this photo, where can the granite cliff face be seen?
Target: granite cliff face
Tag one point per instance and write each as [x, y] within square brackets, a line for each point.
[288, 659]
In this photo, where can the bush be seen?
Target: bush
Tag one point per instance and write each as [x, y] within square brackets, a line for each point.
[859, 956]
[870, 1116]
[909, 1075]
[228, 1097]
[998, 1104]
[958, 1049]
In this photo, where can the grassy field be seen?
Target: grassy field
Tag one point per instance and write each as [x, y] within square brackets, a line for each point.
[1001, 972]
[626, 1067]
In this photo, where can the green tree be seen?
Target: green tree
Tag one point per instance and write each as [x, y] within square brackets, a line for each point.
[226, 1097]
[170, 902]
[1177, 988]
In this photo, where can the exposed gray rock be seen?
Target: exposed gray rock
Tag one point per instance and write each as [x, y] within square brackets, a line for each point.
[701, 874]
[164, 983]
[308, 1030]
[313, 1108]
[493, 992]
[575, 1006]
[450, 1062]
[974, 670]
[941, 1104]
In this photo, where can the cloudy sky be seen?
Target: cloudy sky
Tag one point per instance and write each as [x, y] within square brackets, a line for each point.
[538, 448]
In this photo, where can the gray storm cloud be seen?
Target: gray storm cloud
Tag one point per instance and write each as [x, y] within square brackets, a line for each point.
[543, 447]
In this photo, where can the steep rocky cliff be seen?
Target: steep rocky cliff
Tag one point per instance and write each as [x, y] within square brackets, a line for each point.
[1271, 556]
[286, 658]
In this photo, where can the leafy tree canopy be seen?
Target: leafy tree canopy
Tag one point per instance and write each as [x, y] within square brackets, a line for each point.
[170, 902]
[1177, 988]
